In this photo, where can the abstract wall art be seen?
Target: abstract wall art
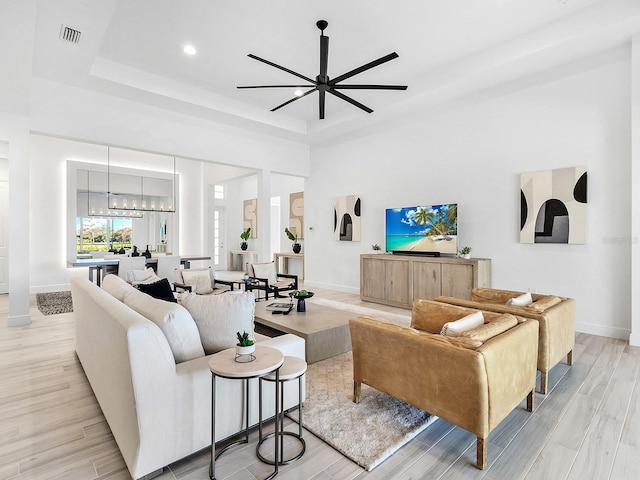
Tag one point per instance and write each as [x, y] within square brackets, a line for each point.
[346, 218]
[553, 206]
[250, 216]
[296, 214]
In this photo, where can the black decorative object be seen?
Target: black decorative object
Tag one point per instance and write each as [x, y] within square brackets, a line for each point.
[135, 252]
[323, 84]
[297, 247]
[243, 245]
[301, 295]
[146, 253]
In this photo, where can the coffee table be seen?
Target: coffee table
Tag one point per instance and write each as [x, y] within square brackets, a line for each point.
[324, 329]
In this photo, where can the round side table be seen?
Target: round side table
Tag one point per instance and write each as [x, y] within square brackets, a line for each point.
[293, 368]
[223, 364]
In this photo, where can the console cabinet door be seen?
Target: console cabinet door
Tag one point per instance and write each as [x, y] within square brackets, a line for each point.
[397, 283]
[427, 283]
[372, 278]
[457, 280]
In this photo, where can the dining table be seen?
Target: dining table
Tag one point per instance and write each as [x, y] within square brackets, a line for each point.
[97, 266]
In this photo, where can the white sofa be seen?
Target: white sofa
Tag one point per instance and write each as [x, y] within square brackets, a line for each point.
[158, 410]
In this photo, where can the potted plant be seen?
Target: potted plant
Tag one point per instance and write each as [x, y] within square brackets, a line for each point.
[245, 345]
[464, 252]
[376, 248]
[294, 238]
[245, 236]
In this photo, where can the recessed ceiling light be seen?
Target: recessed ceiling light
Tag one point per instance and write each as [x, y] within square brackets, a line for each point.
[298, 93]
[189, 50]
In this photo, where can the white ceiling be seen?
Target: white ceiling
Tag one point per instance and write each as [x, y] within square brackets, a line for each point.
[446, 48]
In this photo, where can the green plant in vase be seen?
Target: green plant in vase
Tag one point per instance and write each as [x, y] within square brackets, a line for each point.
[464, 252]
[294, 238]
[245, 236]
[245, 345]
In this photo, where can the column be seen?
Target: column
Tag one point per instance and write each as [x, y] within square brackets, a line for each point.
[634, 338]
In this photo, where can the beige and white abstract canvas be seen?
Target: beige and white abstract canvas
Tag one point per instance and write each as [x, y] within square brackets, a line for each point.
[296, 214]
[250, 216]
[346, 218]
[553, 206]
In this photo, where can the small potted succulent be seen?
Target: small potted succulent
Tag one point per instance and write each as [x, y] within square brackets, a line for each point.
[376, 248]
[245, 236]
[465, 252]
[245, 345]
[294, 238]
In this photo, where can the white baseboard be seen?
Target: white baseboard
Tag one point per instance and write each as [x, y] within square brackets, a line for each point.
[634, 340]
[328, 286]
[50, 288]
[603, 330]
[19, 320]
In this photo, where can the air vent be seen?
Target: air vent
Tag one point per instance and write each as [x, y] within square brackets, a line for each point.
[69, 34]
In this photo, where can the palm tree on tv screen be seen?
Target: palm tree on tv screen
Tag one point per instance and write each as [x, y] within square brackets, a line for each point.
[437, 222]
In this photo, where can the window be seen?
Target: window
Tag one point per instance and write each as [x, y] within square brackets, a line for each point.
[102, 234]
[218, 192]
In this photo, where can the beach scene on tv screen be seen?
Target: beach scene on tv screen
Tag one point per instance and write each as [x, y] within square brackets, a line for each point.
[431, 228]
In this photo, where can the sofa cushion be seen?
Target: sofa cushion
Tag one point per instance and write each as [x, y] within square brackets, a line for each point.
[520, 301]
[116, 286]
[491, 329]
[160, 289]
[174, 321]
[220, 317]
[266, 270]
[543, 303]
[456, 328]
[147, 275]
[198, 280]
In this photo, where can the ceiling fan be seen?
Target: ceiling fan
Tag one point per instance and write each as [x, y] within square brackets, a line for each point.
[323, 84]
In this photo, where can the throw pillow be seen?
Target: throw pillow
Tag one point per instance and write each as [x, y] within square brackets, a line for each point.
[544, 303]
[489, 330]
[265, 270]
[134, 277]
[175, 322]
[160, 289]
[454, 329]
[520, 301]
[198, 280]
[220, 317]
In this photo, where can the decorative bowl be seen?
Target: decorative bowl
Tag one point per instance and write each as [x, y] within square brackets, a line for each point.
[298, 296]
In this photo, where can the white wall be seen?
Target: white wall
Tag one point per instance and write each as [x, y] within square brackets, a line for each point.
[473, 155]
[247, 188]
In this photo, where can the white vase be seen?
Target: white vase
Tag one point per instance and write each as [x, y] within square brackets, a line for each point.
[245, 350]
[467, 256]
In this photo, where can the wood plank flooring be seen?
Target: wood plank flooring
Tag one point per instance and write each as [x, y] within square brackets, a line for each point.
[587, 427]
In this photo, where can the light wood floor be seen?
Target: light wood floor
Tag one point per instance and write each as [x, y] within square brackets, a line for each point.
[587, 427]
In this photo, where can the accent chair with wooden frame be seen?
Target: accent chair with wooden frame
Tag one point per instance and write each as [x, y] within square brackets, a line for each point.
[264, 276]
[201, 281]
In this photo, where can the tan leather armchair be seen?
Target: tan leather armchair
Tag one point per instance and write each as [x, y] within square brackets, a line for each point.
[473, 382]
[555, 315]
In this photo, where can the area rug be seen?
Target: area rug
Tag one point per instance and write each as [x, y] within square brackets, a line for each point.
[404, 320]
[51, 303]
[367, 432]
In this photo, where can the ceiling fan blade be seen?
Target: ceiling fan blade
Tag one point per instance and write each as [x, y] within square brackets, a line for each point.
[363, 68]
[324, 55]
[251, 55]
[294, 99]
[276, 86]
[370, 87]
[321, 104]
[350, 100]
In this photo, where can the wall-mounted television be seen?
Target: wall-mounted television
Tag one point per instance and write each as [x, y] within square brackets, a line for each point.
[422, 230]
